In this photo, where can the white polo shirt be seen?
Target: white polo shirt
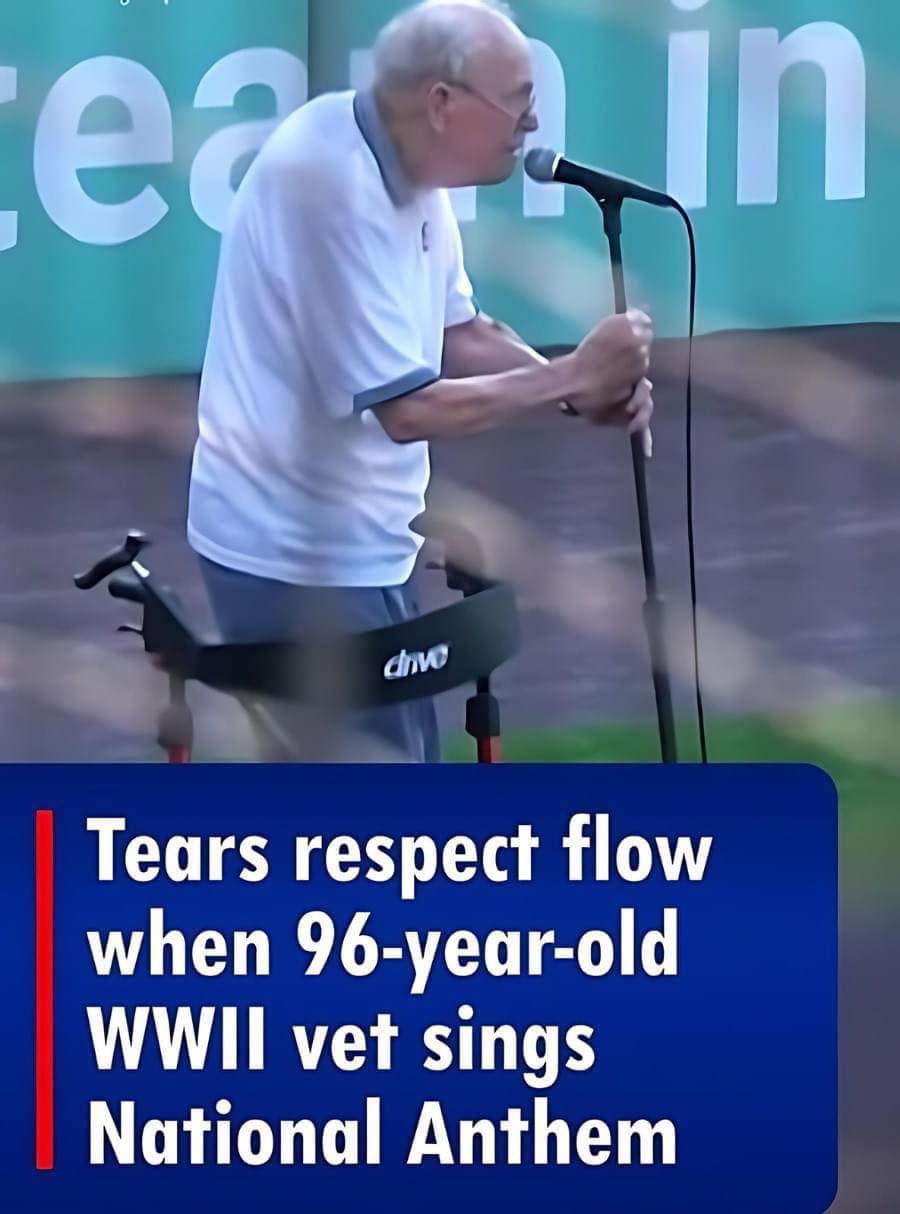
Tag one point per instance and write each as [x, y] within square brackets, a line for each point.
[336, 282]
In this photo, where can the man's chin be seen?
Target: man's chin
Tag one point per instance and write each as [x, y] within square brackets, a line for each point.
[499, 172]
[503, 171]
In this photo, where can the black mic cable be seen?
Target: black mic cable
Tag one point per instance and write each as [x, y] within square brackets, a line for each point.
[689, 446]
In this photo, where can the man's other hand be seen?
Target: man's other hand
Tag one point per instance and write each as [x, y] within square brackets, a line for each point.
[611, 360]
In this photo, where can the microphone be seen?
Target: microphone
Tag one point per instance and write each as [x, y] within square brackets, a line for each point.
[543, 164]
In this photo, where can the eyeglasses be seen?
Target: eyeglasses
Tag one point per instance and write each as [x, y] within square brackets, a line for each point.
[520, 119]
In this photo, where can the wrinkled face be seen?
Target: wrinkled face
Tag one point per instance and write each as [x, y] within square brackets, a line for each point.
[480, 122]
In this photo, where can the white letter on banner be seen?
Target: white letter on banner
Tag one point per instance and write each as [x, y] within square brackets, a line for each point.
[9, 220]
[550, 89]
[211, 175]
[764, 60]
[688, 122]
[60, 151]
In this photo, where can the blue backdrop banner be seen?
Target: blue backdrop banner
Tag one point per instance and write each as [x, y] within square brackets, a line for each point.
[402, 989]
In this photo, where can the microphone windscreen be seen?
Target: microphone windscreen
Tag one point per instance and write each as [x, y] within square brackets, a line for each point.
[540, 164]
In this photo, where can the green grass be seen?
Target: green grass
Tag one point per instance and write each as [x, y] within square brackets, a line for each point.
[859, 747]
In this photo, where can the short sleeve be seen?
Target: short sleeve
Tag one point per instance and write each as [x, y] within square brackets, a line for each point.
[461, 303]
[354, 327]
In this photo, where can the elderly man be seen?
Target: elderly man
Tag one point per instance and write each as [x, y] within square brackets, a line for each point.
[345, 336]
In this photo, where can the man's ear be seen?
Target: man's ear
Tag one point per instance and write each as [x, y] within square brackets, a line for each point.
[438, 106]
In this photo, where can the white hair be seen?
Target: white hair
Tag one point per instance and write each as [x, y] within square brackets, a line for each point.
[435, 40]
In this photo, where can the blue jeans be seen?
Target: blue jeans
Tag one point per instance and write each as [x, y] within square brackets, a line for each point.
[249, 609]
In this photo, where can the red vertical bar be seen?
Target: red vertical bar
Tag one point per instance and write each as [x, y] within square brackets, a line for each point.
[43, 1026]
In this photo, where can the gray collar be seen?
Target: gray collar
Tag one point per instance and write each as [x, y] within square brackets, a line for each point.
[375, 133]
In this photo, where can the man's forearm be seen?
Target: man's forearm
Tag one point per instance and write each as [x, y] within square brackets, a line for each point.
[452, 408]
[603, 379]
[485, 346]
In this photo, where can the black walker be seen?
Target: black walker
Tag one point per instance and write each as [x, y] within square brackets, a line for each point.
[459, 644]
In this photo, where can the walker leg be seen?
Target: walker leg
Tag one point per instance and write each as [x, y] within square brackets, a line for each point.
[176, 724]
[483, 723]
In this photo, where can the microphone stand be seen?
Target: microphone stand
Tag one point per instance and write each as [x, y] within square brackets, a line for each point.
[654, 618]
